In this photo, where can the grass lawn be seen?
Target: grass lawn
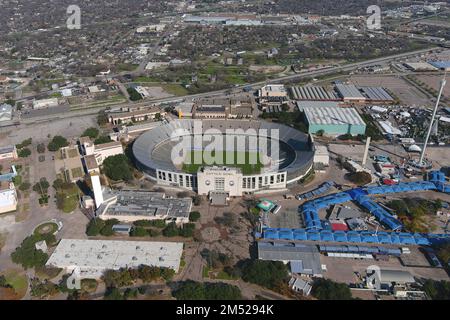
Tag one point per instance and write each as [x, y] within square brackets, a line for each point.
[17, 280]
[205, 272]
[46, 228]
[89, 285]
[175, 89]
[225, 276]
[242, 160]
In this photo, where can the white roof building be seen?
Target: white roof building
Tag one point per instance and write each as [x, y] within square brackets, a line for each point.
[5, 112]
[45, 103]
[8, 197]
[93, 257]
[273, 90]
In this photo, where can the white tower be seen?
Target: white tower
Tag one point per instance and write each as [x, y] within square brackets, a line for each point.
[97, 187]
[433, 116]
[366, 151]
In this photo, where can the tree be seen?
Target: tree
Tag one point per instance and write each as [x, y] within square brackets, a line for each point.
[94, 226]
[113, 294]
[91, 133]
[269, 274]
[102, 118]
[117, 278]
[57, 143]
[171, 230]
[437, 290]
[40, 148]
[23, 153]
[24, 186]
[194, 216]
[138, 232]
[187, 230]
[134, 95]
[360, 178]
[197, 200]
[102, 139]
[326, 289]
[41, 187]
[27, 255]
[117, 168]
[191, 290]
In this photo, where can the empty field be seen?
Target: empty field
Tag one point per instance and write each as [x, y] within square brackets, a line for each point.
[433, 81]
[400, 88]
[248, 162]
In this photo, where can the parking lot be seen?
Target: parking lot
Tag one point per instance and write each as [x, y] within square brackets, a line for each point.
[343, 269]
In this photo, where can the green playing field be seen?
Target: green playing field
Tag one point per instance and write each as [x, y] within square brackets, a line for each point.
[248, 162]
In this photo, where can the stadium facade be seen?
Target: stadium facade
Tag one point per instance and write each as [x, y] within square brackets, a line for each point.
[153, 153]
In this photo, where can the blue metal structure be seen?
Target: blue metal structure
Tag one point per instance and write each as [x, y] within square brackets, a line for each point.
[9, 176]
[315, 230]
[402, 238]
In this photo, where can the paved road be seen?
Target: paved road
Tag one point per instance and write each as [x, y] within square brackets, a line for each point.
[256, 85]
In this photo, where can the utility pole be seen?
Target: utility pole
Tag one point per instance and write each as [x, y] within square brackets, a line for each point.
[422, 155]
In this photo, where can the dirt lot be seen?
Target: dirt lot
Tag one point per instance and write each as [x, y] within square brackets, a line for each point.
[440, 156]
[407, 94]
[433, 81]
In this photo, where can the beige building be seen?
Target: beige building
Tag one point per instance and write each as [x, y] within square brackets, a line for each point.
[224, 179]
[8, 197]
[45, 103]
[240, 107]
[134, 115]
[273, 90]
[8, 152]
[94, 155]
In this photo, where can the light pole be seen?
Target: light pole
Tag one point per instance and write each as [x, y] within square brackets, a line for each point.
[422, 155]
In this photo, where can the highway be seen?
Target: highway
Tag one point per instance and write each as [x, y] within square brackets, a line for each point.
[256, 85]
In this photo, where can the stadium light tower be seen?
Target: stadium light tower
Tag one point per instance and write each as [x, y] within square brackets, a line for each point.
[433, 116]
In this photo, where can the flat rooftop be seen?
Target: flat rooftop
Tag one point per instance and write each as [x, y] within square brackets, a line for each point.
[6, 149]
[333, 116]
[349, 91]
[99, 255]
[144, 203]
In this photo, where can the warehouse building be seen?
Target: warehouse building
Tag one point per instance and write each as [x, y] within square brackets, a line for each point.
[377, 94]
[442, 65]
[350, 93]
[91, 258]
[333, 120]
[383, 279]
[303, 259]
[420, 66]
[316, 93]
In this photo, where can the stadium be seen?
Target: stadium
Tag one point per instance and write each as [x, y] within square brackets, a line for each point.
[293, 159]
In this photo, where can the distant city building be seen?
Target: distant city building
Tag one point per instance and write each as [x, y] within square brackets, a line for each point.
[134, 115]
